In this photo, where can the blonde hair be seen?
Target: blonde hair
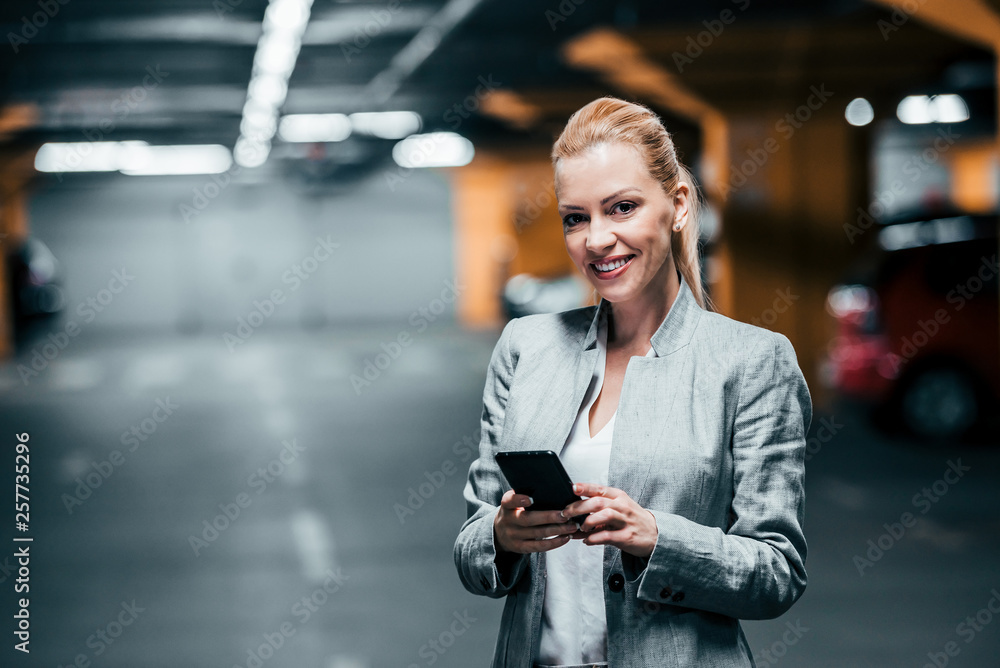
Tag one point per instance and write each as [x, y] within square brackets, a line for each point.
[608, 120]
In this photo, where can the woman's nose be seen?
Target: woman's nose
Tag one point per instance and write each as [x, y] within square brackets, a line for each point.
[599, 235]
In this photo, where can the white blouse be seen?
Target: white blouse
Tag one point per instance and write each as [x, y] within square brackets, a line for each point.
[574, 629]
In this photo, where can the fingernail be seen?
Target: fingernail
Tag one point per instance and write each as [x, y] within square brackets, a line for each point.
[577, 525]
[531, 501]
[562, 515]
[576, 488]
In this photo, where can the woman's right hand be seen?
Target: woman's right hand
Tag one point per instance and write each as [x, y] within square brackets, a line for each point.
[519, 530]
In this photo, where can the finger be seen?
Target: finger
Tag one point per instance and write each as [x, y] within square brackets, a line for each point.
[543, 531]
[616, 538]
[591, 489]
[585, 507]
[512, 500]
[539, 517]
[606, 518]
[542, 545]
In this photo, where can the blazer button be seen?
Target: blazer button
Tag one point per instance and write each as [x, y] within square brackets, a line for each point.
[666, 592]
[678, 597]
[616, 582]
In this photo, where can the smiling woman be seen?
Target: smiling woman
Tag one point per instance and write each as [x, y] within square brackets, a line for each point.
[683, 429]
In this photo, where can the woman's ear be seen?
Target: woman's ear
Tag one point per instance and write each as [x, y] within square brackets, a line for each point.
[682, 204]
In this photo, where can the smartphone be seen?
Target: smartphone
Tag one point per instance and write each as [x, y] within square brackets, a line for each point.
[540, 475]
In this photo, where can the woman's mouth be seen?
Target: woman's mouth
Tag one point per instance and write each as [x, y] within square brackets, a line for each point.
[612, 269]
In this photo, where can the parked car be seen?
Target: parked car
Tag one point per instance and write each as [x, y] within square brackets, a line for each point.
[35, 280]
[919, 325]
[524, 294]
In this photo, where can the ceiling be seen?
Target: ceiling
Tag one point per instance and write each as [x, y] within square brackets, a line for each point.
[87, 72]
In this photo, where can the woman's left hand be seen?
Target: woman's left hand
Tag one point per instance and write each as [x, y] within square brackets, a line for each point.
[613, 518]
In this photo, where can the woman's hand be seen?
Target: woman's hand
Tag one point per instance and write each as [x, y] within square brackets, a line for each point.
[613, 519]
[518, 530]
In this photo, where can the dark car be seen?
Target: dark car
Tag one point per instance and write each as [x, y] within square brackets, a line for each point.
[36, 283]
[919, 325]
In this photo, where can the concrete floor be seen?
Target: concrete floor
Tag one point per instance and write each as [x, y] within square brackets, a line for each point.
[317, 570]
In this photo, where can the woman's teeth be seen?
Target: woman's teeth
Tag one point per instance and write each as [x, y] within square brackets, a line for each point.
[613, 265]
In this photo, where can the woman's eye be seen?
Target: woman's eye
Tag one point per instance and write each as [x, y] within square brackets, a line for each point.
[624, 207]
[572, 219]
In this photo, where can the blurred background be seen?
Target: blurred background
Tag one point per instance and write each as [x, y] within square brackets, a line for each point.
[256, 257]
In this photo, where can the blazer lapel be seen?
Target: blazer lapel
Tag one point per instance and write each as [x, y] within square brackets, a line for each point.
[648, 394]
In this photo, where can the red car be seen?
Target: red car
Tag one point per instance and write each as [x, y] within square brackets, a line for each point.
[919, 325]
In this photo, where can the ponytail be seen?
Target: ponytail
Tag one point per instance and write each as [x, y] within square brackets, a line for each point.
[684, 244]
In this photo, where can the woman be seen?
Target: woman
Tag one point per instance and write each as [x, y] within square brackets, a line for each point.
[683, 429]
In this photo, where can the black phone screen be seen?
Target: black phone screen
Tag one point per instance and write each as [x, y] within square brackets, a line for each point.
[540, 475]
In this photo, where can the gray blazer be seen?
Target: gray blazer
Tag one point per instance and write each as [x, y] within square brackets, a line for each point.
[710, 436]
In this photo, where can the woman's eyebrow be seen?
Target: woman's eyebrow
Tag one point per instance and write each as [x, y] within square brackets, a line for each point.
[572, 207]
[620, 192]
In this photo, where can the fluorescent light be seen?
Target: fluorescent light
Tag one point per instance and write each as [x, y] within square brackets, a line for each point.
[386, 124]
[251, 152]
[274, 60]
[859, 112]
[914, 109]
[275, 54]
[82, 156]
[268, 89]
[314, 128]
[133, 158]
[437, 149]
[948, 108]
[927, 233]
[171, 160]
[286, 15]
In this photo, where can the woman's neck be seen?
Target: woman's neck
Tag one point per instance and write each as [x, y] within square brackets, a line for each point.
[632, 324]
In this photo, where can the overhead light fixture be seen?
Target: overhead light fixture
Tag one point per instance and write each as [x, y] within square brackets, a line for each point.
[274, 60]
[84, 156]
[859, 112]
[386, 124]
[314, 128]
[173, 160]
[920, 109]
[135, 158]
[437, 149]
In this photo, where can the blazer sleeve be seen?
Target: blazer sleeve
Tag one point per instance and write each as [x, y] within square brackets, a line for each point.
[756, 569]
[475, 553]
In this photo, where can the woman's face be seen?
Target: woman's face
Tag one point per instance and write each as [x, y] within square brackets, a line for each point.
[616, 216]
